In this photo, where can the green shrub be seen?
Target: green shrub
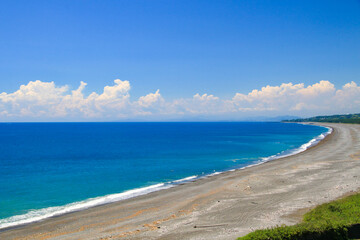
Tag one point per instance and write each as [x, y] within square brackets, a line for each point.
[345, 211]
[304, 231]
[325, 222]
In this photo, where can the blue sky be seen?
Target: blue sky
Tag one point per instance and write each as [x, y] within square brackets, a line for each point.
[217, 48]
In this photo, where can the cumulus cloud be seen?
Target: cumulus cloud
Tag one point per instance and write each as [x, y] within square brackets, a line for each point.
[205, 97]
[32, 99]
[150, 99]
[36, 92]
[348, 97]
[268, 98]
[288, 97]
[317, 89]
[39, 98]
[46, 100]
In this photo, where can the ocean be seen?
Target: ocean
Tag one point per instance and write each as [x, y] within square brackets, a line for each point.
[48, 169]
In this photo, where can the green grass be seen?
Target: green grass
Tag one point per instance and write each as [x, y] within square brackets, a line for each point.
[335, 220]
[343, 211]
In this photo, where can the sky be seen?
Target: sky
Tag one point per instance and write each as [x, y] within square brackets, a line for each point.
[73, 60]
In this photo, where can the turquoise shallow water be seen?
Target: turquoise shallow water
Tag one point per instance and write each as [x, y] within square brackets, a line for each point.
[48, 169]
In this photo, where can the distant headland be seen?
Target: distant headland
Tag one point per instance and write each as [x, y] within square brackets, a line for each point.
[341, 118]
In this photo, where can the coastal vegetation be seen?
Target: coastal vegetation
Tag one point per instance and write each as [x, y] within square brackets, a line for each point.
[343, 118]
[338, 219]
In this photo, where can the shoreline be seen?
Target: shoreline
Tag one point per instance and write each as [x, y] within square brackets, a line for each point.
[193, 210]
[136, 192]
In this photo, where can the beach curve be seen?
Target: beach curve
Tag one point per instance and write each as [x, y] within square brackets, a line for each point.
[222, 206]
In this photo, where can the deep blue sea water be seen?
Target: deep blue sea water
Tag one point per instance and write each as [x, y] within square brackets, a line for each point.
[48, 168]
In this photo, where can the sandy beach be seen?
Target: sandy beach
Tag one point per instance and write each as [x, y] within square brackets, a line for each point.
[223, 206]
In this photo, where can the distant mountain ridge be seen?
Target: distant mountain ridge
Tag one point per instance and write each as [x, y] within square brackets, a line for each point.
[340, 118]
[268, 119]
[216, 119]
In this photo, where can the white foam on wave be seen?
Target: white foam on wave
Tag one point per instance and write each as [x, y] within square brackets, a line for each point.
[41, 214]
[187, 179]
[213, 174]
[302, 148]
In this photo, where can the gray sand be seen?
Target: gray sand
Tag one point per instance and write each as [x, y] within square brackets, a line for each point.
[224, 206]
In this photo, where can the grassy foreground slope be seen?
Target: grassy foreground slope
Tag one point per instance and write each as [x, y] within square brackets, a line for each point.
[339, 219]
[345, 118]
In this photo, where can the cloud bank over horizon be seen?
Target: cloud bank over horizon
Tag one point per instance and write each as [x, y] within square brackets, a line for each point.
[45, 101]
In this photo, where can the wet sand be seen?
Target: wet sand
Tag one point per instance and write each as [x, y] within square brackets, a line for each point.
[224, 206]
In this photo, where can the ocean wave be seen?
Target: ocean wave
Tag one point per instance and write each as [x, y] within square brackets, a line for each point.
[41, 214]
[302, 148]
[187, 179]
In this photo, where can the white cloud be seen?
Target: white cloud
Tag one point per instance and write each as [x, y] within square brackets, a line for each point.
[119, 90]
[45, 100]
[37, 92]
[268, 98]
[32, 99]
[288, 97]
[348, 97]
[205, 97]
[150, 99]
[323, 87]
[39, 98]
